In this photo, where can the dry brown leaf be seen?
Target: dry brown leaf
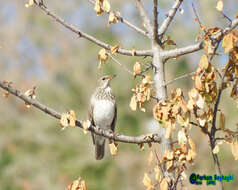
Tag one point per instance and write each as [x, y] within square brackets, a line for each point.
[113, 149]
[77, 185]
[112, 18]
[142, 147]
[102, 57]
[97, 7]
[137, 68]
[114, 49]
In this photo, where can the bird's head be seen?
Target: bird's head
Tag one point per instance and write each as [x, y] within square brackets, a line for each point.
[104, 81]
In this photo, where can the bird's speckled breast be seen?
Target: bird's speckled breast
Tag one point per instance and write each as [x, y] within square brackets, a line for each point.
[103, 113]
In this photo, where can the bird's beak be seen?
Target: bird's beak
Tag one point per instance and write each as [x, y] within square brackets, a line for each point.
[111, 77]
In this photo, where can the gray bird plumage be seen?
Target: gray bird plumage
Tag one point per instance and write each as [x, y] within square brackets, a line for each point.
[102, 113]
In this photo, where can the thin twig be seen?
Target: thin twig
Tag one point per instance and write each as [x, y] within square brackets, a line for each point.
[163, 28]
[145, 17]
[224, 15]
[180, 77]
[91, 38]
[196, 15]
[122, 20]
[121, 65]
[106, 133]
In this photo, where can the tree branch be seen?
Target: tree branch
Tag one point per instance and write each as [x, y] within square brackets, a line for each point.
[174, 53]
[155, 33]
[169, 18]
[126, 22]
[145, 17]
[106, 133]
[198, 46]
[91, 38]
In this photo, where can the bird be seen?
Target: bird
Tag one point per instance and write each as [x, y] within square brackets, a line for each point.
[102, 112]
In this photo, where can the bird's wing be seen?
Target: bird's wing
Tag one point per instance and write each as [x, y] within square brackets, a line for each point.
[114, 119]
[90, 117]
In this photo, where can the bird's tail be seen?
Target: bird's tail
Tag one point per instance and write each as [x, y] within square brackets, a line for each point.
[99, 143]
[99, 150]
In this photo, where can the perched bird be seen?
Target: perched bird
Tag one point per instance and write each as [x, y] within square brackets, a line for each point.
[102, 112]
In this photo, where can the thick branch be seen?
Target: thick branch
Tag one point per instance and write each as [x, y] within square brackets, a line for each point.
[126, 22]
[174, 53]
[91, 38]
[96, 130]
[145, 17]
[169, 18]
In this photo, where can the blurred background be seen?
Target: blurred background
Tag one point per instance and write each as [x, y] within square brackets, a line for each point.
[36, 51]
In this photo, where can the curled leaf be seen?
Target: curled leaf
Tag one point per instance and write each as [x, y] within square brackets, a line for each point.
[113, 148]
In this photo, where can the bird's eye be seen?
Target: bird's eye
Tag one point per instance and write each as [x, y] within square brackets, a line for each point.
[103, 78]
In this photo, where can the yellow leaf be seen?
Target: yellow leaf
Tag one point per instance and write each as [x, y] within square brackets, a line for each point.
[147, 182]
[64, 120]
[200, 102]
[230, 40]
[234, 148]
[222, 121]
[219, 6]
[169, 130]
[106, 6]
[29, 4]
[133, 52]
[86, 124]
[114, 49]
[204, 63]
[146, 80]
[182, 139]
[164, 185]
[113, 149]
[216, 149]
[72, 118]
[137, 68]
[198, 83]
[133, 103]
[157, 173]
